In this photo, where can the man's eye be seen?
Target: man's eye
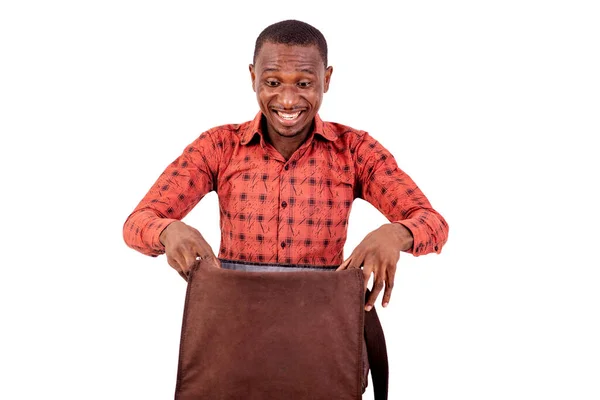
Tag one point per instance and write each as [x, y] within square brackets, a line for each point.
[272, 83]
[303, 84]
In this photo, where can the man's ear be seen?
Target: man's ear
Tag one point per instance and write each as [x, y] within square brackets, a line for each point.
[252, 76]
[328, 73]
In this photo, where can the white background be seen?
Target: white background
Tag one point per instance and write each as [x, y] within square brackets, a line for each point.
[490, 106]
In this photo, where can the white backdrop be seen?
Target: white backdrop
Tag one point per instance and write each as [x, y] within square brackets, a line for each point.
[491, 107]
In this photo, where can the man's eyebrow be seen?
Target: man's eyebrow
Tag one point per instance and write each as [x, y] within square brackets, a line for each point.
[305, 70]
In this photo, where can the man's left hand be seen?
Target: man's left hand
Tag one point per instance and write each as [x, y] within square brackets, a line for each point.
[378, 254]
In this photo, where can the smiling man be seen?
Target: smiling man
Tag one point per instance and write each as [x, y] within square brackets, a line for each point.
[286, 181]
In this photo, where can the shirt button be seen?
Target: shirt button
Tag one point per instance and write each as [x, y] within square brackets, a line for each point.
[283, 204]
[286, 167]
[283, 245]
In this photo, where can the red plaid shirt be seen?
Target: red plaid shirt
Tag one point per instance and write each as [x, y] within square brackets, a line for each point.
[284, 212]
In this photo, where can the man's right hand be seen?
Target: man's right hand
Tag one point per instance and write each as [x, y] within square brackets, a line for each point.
[183, 245]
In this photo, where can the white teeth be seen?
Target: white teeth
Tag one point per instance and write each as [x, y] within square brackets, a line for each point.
[288, 116]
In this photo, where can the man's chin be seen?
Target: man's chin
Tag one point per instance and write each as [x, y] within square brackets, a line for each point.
[287, 131]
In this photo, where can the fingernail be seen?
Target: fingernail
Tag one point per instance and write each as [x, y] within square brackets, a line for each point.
[368, 308]
[385, 304]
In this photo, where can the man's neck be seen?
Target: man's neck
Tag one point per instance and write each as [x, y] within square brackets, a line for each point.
[286, 146]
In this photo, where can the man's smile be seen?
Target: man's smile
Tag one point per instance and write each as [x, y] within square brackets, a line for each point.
[287, 118]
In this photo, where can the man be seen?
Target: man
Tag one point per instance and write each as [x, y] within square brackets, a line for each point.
[286, 181]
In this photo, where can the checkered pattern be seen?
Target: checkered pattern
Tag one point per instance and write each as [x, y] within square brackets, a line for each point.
[284, 212]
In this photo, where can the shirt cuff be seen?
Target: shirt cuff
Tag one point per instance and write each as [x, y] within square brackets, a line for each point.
[422, 243]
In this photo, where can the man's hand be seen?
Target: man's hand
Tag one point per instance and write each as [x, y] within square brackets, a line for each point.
[183, 244]
[378, 254]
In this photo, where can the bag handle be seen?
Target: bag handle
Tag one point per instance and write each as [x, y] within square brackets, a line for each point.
[377, 354]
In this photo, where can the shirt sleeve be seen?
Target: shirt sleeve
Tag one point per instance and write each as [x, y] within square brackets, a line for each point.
[395, 194]
[174, 194]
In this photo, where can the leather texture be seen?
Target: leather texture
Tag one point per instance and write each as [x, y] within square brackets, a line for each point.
[263, 335]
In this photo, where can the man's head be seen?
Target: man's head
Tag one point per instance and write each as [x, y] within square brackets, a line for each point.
[289, 75]
[292, 33]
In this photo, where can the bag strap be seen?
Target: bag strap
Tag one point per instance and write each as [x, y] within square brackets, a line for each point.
[377, 354]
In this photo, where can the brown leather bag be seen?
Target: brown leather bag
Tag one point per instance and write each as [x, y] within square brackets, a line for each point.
[286, 335]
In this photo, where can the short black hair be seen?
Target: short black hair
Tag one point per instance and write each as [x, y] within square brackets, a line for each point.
[293, 33]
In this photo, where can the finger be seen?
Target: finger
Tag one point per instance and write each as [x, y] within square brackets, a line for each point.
[345, 264]
[184, 276]
[205, 252]
[389, 286]
[189, 259]
[357, 260]
[212, 260]
[172, 261]
[367, 271]
[378, 285]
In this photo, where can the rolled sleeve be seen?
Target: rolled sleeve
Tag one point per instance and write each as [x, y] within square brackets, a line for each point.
[178, 189]
[383, 184]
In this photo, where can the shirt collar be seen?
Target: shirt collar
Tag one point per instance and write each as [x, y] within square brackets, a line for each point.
[255, 128]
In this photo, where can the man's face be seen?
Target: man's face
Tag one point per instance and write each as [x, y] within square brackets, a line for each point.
[289, 82]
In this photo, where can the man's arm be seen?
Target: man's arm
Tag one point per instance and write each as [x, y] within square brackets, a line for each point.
[177, 190]
[415, 226]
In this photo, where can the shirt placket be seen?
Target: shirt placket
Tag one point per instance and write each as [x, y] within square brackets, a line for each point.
[285, 217]
[283, 230]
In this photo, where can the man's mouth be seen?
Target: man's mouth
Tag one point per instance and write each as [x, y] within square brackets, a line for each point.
[287, 116]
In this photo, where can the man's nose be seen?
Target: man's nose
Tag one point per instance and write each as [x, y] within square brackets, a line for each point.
[288, 96]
